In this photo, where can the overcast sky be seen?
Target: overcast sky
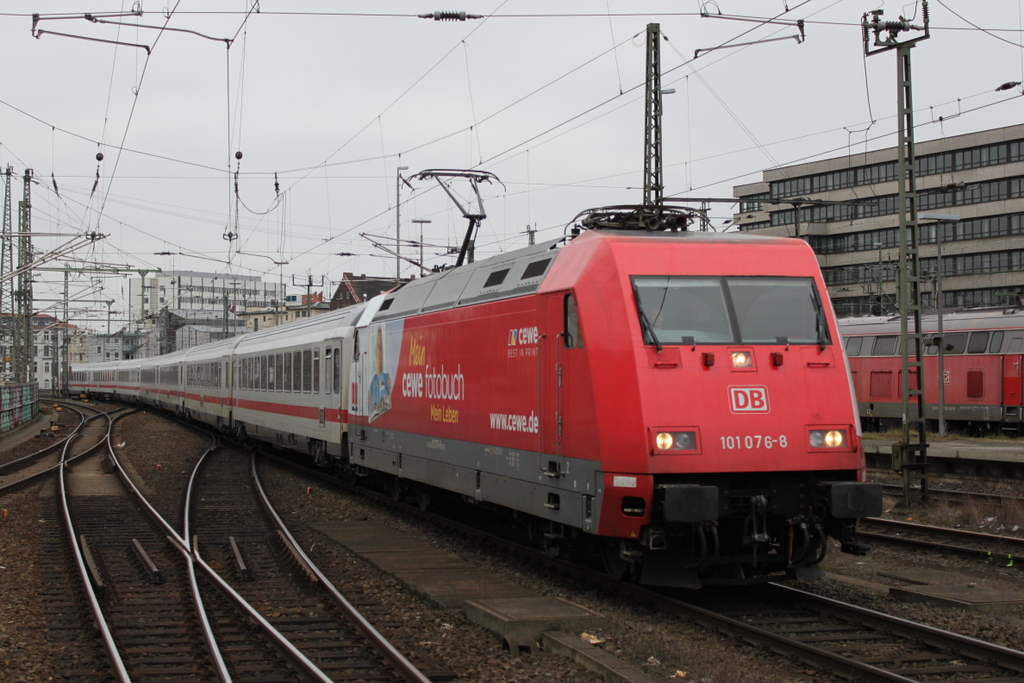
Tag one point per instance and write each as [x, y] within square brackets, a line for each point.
[334, 96]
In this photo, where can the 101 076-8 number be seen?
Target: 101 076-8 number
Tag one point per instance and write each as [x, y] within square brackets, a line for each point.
[732, 443]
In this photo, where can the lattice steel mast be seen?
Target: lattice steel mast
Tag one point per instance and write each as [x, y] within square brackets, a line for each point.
[909, 456]
[653, 179]
[24, 370]
[6, 286]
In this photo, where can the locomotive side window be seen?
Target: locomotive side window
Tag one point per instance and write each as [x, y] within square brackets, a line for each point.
[1015, 345]
[978, 343]
[535, 269]
[955, 343]
[885, 346]
[853, 345]
[496, 278]
[997, 342]
[572, 337]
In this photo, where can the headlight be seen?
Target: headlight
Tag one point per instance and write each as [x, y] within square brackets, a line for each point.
[676, 441]
[741, 359]
[828, 438]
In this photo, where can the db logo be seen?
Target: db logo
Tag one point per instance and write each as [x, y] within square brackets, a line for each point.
[748, 399]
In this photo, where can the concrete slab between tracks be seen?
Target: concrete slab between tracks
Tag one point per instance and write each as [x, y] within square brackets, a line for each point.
[94, 478]
[864, 584]
[528, 618]
[594, 659]
[521, 617]
[925, 577]
[1007, 451]
[433, 574]
[963, 597]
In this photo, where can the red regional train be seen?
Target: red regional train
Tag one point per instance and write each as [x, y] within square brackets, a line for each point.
[674, 401]
[983, 351]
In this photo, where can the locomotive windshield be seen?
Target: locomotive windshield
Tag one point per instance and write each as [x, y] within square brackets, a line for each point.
[729, 310]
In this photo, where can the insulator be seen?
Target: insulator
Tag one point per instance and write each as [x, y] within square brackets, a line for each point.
[924, 12]
[448, 16]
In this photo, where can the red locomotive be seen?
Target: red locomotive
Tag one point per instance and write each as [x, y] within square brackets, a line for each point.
[675, 401]
[983, 352]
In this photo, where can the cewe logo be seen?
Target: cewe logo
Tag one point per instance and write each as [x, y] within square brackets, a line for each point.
[748, 399]
[523, 336]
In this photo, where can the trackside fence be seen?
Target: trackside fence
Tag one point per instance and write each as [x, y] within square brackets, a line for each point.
[18, 405]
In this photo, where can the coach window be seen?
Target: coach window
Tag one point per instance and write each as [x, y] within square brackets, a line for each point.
[997, 342]
[337, 369]
[853, 345]
[287, 372]
[572, 337]
[307, 371]
[297, 371]
[316, 371]
[978, 343]
[328, 377]
[271, 372]
[280, 372]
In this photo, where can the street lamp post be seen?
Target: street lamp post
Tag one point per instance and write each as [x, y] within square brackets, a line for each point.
[939, 219]
[398, 221]
[422, 222]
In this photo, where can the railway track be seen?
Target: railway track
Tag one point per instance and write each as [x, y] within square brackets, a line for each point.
[244, 540]
[1004, 550]
[87, 435]
[264, 581]
[132, 578]
[956, 496]
[847, 640]
[851, 641]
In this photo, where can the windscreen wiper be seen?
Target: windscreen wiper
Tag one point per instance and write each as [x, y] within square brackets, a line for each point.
[819, 322]
[644, 322]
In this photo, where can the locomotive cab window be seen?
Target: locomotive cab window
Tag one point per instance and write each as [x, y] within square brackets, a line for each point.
[997, 342]
[955, 343]
[853, 345]
[729, 310]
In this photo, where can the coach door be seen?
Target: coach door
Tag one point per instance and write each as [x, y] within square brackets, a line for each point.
[333, 386]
